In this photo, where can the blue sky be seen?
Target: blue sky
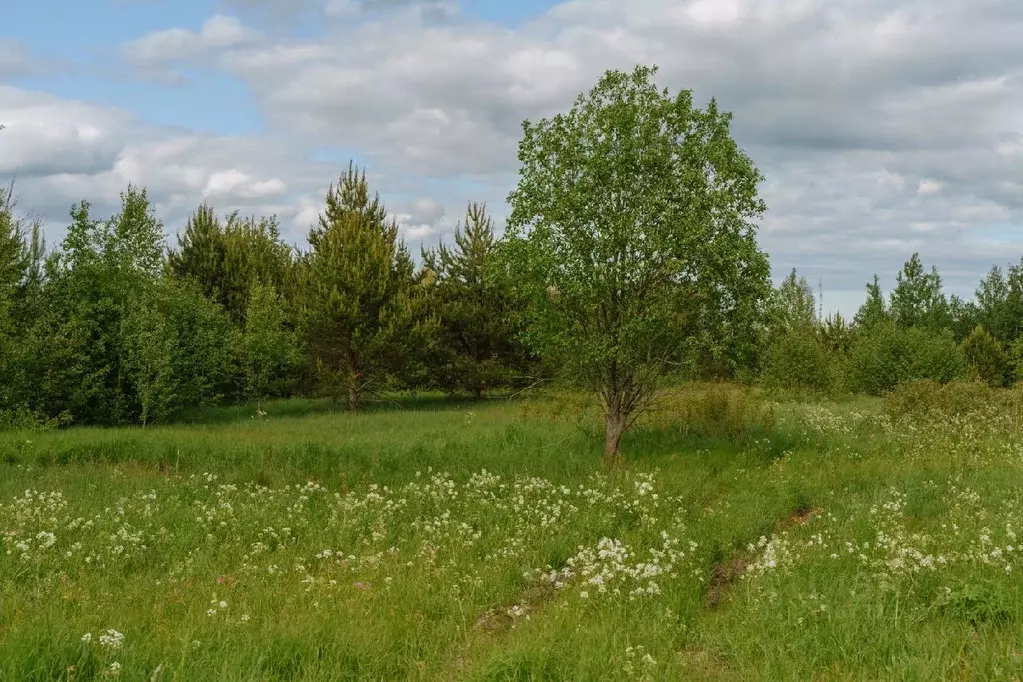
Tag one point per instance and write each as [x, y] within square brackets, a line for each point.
[882, 127]
[85, 34]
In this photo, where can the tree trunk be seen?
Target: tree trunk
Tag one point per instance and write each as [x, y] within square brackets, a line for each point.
[353, 398]
[614, 429]
[477, 392]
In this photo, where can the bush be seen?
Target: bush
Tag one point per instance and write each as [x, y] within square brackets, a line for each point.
[884, 356]
[927, 398]
[798, 361]
[714, 410]
[986, 356]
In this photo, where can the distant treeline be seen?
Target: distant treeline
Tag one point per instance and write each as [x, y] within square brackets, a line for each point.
[113, 327]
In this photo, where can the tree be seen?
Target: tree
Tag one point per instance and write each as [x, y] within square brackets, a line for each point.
[987, 357]
[200, 253]
[873, 311]
[227, 259]
[359, 316]
[793, 304]
[917, 299]
[632, 238]
[999, 303]
[476, 348]
[270, 349]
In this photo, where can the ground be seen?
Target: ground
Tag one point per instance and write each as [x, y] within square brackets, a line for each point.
[440, 540]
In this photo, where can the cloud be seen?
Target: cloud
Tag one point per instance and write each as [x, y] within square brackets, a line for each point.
[882, 126]
[153, 54]
[16, 60]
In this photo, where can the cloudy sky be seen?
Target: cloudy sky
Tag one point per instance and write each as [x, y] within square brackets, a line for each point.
[883, 127]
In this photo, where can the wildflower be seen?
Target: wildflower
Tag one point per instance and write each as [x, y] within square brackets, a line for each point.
[111, 639]
[87, 637]
[114, 669]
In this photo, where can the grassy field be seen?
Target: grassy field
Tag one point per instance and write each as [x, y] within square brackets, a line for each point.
[436, 540]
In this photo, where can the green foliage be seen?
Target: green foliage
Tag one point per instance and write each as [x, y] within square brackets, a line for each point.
[792, 305]
[999, 303]
[360, 315]
[632, 239]
[271, 350]
[925, 400]
[226, 259]
[717, 410]
[885, 355]
[836, 334]
[917, 299]
[987, 356]
[873, 311]
[797, 360]
[476, 347]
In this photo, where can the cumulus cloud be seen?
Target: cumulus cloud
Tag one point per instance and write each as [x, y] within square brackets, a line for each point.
[153, 54]
[882, 126]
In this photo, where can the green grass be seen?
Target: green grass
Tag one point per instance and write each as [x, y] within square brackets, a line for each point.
[439, 540]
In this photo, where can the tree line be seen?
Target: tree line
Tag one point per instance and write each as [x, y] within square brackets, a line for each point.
[915, 332]
[629, 256]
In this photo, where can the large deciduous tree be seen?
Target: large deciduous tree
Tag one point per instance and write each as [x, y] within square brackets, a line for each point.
[633, 237]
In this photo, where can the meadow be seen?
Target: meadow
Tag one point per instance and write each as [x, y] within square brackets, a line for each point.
[745, 537]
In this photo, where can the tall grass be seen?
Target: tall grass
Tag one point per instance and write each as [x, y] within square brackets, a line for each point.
[746, 539]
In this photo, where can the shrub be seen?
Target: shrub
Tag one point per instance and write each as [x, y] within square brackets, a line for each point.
[986, 356]
[797, 360]
[884, 356]
[927, 398]
[714, 410]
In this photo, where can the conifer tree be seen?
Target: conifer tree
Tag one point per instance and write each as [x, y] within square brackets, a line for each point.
[987, 357]
[874, 310]
[358, 314]
[227, 258]
[476, 347]
[200, 254]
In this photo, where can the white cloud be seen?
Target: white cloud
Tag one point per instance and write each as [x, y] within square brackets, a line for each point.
[882, 126]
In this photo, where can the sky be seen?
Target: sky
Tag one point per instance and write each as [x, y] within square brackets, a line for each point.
[882, 127]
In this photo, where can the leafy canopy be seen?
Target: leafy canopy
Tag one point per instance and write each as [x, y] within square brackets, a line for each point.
[632, 237]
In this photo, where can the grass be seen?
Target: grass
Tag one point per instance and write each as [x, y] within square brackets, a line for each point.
[441, 540]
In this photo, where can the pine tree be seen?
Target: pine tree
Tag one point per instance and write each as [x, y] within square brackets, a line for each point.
[200, 254]
[476, 347]
[986, 356]
[873, 311]
[358, 298]
[227, 258]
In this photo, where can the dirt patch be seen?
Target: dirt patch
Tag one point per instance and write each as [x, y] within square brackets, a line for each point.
[724, 574]
[799, 516]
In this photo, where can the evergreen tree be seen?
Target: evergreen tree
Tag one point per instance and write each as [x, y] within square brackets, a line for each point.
[200, 254]
[873, 311]
[987, 357]
[476, 346]
[227, 259]
[358, 297]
